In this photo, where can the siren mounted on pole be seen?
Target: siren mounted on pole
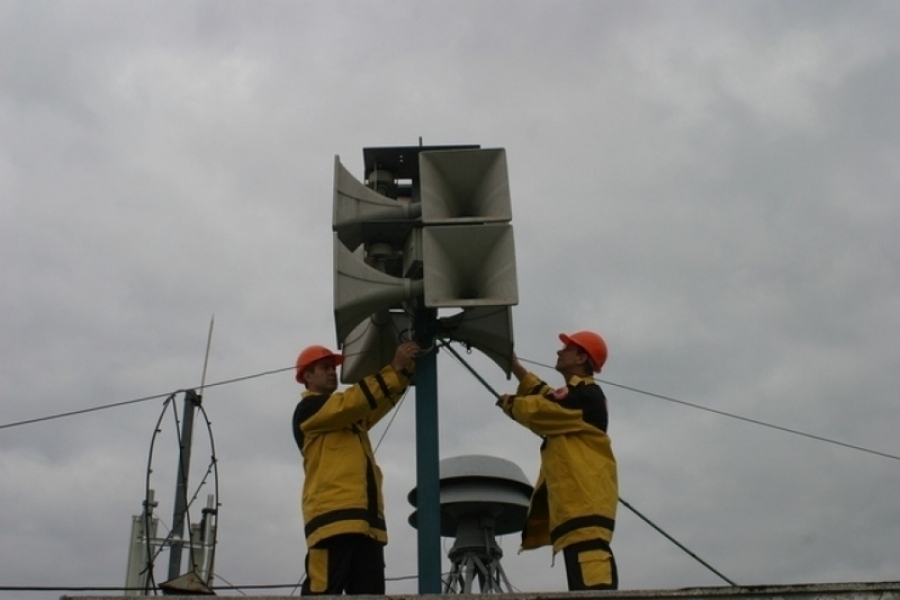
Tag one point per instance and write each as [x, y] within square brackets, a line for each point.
[429, 229]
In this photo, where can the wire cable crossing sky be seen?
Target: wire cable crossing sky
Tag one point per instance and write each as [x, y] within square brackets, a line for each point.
[490, 389]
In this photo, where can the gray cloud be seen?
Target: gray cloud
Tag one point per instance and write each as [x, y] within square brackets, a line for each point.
[709, 185]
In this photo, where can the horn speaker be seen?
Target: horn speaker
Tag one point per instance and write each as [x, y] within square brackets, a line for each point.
[362, 215]
[469, 265]
[488, 329]
[464, 186]
[361, 290]
[372, 344]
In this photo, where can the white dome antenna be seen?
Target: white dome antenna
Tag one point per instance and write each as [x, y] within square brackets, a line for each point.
[481, 497]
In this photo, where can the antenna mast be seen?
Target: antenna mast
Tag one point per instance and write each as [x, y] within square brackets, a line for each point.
[191, 401]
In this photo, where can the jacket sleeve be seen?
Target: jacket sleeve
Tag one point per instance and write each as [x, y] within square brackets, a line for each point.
[398, 382]
[535, 407]
[366, 401]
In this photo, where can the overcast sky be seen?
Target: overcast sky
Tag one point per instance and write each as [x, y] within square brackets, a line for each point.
[712, 186]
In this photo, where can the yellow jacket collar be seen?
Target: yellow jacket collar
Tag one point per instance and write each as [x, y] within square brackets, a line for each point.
[576, 379]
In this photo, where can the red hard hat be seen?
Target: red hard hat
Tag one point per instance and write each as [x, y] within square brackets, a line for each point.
[312, 354]
[591, 343]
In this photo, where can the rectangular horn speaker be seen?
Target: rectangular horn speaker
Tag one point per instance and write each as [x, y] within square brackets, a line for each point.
[469, 265]
[464, 186]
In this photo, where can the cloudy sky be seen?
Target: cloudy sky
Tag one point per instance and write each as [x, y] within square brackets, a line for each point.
[712, 186]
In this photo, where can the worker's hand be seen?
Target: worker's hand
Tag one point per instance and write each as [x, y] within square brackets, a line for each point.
[505, 402]
[403, 356]
[517, 369]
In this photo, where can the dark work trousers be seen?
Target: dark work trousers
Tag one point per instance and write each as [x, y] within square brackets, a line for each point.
[350, 563]
[591, 566]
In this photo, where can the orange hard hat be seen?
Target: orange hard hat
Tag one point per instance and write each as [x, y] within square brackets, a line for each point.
[313, 354]
[591, 343]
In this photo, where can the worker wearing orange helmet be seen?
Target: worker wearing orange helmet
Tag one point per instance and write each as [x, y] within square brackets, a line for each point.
[573, 507]
[343, 507]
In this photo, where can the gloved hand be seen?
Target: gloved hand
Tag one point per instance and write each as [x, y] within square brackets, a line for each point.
[403, 356]
[505, 403]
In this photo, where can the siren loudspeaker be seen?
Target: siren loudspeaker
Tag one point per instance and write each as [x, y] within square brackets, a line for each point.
[360, 290]
[361, 214]
[464, 186]
[372, 344]
[469, 265]
[488, 329]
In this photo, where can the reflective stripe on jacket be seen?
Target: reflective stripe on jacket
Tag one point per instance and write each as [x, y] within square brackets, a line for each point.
[576, 494]
[342, 484]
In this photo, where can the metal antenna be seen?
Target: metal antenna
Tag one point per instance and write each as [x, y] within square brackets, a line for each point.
[212, 322]
[191, 401]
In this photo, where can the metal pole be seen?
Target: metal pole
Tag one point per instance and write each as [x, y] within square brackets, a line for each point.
[428, 500]
[142, 546]
[191, 401]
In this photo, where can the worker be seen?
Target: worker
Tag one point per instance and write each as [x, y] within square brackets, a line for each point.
[573, 506]
[343, 507]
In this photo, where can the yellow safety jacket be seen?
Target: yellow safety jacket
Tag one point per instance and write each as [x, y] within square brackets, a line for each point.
[576, 494]
[342, 485]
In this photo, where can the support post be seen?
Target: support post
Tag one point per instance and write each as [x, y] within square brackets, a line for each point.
[428, 483]
[191, 401]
